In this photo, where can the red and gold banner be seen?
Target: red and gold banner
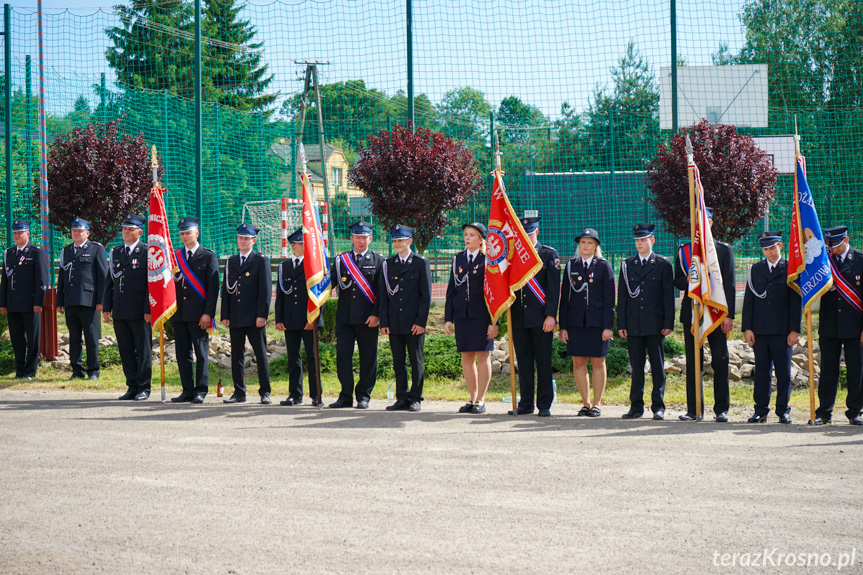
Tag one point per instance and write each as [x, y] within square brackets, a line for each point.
[160, 262]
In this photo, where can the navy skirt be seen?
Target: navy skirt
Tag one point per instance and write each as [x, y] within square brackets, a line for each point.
[471, 335]
[586, 342]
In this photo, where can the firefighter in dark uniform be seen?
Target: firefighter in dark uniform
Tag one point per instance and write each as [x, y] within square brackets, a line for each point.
[22, 293]
[80, 289]
[357, 273]
[839, 328]
[127, 305]
[645, 315]
[292, 300]
[247, 289]
[405, 294]
[534, 314]
[197, 285]
[771, 325]
[718, 338]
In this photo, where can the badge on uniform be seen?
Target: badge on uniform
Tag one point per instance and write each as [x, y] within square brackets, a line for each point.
[460, 270]
[134, 263]
[247, 274]
[557, 263]
[344, 279]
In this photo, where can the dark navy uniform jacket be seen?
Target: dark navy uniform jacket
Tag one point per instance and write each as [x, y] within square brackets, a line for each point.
[24, 279]
[82, 277]
[464, 293]
[652, 284]
[593, 306]
[410, 303]
[190, 306]
[837, 318]
[527, 310]
[291, 307]
[725, 255]
[127, 293]
[246, 290]
[778, 311]
[354, 308]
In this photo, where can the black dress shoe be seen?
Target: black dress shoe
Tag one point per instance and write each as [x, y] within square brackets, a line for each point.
[785, 418]
[687, 417]
[142, 396]
[478, 408]
[821, 420]
[316, 403]
[182, 398]
[521, 411]
[544, 413]
[414, 406]
[466, 408]
[92, 377]
[363, 404]
[399, 405]
[856, 420]
[77, 376]
[128, 396]
[659, 414]
[199, 398]
[632, 414]
[757, 418]
[342, 403]
[291, 401]
[265, 399]
[235, 399]
[722, 417]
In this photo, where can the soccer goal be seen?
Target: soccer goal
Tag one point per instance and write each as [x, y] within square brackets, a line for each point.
[276, 219]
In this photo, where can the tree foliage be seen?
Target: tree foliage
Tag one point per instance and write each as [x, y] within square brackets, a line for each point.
[415, 179]
[99, 174]
[738, 178]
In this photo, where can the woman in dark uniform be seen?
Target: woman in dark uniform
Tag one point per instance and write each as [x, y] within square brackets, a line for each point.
[465, 305]
[587, 316]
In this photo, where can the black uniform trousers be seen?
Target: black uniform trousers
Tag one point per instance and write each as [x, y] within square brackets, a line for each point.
[366, 340]
[772, 353]
[24, 328]
[413, 344]
[533, 347]
[188, 338]
[135, 343]
[257, 337]
[828, 383]
[293, 337]
[83, 320]
[718, 343]
[641, 348]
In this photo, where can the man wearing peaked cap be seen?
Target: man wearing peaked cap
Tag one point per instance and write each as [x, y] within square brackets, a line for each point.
[840, 327]
[645, 315]
[247, 288]
[127, 304]
[197, 285]
[771, 325]
[80, 290]
[292, 299]
[357, 275]
[23, 280]
[534, 314]
[718, 338]
[405, 294]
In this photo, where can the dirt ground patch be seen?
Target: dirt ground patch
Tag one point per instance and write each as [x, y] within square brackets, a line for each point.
[92, 485]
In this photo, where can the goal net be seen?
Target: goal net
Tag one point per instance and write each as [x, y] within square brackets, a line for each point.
[277, 219]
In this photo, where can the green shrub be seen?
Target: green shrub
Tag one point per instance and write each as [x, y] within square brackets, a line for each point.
[616, 361]
[501, 330]
[673, 348]
[4, 323]
[7, 357]
[328, 357]
[560, 360]
[109, 355]
[441, 358]
[329, 314]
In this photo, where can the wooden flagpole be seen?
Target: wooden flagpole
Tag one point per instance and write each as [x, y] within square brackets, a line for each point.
[319, 399]
[696, 337]
[809, 349]
[162, 357]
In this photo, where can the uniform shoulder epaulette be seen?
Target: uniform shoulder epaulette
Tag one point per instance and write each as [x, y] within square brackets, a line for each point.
[96, 244]
[208, 250]
[420, 256]
[663, 258]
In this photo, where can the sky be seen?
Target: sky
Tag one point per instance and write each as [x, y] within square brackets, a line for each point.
[546, 52]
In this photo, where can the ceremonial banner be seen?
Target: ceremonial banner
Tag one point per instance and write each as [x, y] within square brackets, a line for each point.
[160, 262]
[808, 259]
[705, 276]
[511, 259]
[315, 260]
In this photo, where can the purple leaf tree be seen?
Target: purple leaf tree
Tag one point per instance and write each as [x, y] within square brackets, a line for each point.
[415, 179]
[99, 174]
[738, 177]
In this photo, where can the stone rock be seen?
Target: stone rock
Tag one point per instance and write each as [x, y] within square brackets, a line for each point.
[734, 374]
[670, 369]
[496, 366]
[746, 370]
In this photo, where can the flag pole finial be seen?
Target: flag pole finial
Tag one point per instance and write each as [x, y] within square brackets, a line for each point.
[796, 137]
[690, 158]
[497, 153]
[154, 164]
[301, 153]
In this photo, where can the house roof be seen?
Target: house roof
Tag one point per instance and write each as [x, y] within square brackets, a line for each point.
[313, 151]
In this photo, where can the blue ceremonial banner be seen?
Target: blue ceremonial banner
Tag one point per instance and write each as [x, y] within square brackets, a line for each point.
[808, 259]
